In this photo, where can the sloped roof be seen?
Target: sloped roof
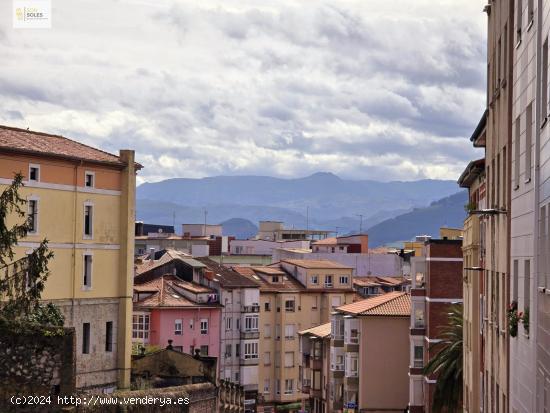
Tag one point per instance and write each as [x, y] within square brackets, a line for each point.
[317, 264]
[372, 281]
[321, 331]
[227, 277]
[326, 241]
[396, 304]
[166, 295]
[287, 282]
[39, 143]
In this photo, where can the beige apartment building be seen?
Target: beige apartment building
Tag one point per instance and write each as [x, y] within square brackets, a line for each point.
[369, 357]
[294, 295]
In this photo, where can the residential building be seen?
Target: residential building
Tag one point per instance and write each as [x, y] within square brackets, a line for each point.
[145, 229]
[436, 284]
[379, 261]
[82, 200]
[370, 336]
[294, 295]
[264, 247]
[358, 244]
[168, 310]
[202, 230]
[473, 249]
[159, 241]
[314, 370]
[501, 41]
[370, 286]
[240, 327]
[275, 231]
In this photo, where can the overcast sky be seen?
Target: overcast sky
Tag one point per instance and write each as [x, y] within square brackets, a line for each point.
[367, 89]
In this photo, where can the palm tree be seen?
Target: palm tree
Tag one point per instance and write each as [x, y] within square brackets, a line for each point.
[446, 365]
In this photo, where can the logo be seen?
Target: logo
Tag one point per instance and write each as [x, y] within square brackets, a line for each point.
[32, 14]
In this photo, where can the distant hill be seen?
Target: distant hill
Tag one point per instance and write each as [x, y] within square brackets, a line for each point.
[239, 227]
[331, 202]
[448, 212]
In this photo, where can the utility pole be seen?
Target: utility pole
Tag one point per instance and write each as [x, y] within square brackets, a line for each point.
[360, 223]
[205, 214]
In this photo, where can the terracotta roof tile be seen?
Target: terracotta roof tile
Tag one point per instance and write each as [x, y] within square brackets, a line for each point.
[317, 264]
[288, 283]
[326, 241]
[228, 278]
[38, 143]
[322, 330]
[372, 281]
[397, 304]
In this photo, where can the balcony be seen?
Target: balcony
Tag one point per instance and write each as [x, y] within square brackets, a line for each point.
[250, 335]
[250, 309]
[249, 361]
[306, 358]
[317, 364]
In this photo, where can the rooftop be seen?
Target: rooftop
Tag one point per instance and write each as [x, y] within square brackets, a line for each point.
[39, 143]
[320, 331]
[227, 277]
[378, 280]
[317, 264]
[394, 304]
[286, 282]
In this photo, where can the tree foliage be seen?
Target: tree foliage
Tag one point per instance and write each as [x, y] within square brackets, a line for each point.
[22, 281]
[446, 366]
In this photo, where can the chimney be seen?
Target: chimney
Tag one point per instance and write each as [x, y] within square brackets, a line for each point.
[152, 254]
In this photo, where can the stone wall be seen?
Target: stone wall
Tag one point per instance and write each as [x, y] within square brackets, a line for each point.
[37, 361]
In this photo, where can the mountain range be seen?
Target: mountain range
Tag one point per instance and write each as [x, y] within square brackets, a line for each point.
[322, 200]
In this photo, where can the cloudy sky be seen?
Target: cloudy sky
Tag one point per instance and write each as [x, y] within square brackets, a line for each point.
[367, 89]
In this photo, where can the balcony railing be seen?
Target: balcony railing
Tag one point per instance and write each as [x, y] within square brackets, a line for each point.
[251, 309]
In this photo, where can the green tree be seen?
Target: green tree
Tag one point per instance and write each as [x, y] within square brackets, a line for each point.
[446, 365]
[22, 281]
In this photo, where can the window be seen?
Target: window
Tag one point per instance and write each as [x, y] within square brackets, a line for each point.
[228, 321]
[267, 358]
[204, 351]
[289, 331]
[266, 386]
[140, 326]
[314, 304]
[344, 280]
[289, 386]
[275, 279]
[337, 328]
[354, 336]
[86, 338]
[267, 306]
[517, 151]
[336, 301]
[519, 16]
[237, 350]
[87, 278]
[228, 351]
[289, 305]
[251, 323]
[88, 220]
[250, 351]
[328, 281]
[178, 327]
[191, 323]
[314, 279]
[544, 82]
[515, 281]
[528, 141]
[352, 364]
[267, 331]
[34, 172]
[109, 336]
[418, 356]
[238, 324]
[289, 359]
[89, 179]
[419, 318]
[527, 285]
[33, 216]
[204, 326]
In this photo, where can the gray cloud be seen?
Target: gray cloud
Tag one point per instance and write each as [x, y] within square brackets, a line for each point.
[381, 90]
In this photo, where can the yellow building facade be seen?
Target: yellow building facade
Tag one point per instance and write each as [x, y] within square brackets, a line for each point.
[294, 295]
[82, 200]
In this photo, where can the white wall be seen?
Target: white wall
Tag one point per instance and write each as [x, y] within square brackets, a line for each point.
[262, 247]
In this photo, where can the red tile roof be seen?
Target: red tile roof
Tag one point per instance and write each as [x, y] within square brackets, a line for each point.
[317, 264]
[322, 330]
[39, 143]
[396, 304]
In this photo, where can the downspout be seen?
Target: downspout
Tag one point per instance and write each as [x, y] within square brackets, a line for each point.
[75, 201]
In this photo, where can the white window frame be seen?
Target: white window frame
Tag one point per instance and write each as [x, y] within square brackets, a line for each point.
[331, 283]
[35, 199]
[289, 389]
[91, 234]
[178, 322]
[139, 326]
[204, 326]
[266, 386]
[344, 277]
[251, 323]
[87, 286]
[288, 328]
[37, 166]
[314, 280]
[86, 174]
[228, 323]
[250, 350]
[288, 309]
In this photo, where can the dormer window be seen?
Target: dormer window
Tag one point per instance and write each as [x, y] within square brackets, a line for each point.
[34, 173]
[89, 179]
[275, 279]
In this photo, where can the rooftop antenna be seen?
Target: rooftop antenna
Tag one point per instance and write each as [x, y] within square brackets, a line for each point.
[307, 221]
[360, 223]
[205, 214]
[174, 219]
[337, 228]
